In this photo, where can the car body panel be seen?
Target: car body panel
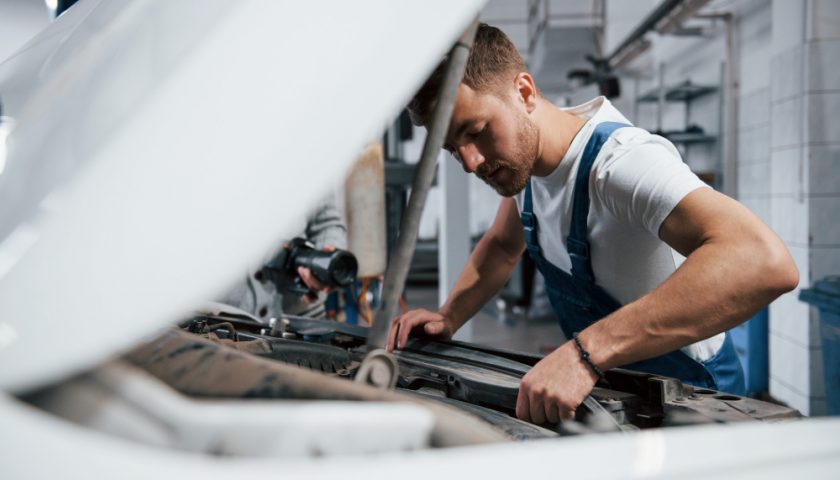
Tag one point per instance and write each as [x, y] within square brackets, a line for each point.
[157, 139]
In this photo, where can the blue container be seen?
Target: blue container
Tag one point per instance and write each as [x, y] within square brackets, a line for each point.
[750, 341]
[825, 295]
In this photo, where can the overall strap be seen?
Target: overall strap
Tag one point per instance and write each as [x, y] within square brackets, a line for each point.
[529, 222]
[577, 243]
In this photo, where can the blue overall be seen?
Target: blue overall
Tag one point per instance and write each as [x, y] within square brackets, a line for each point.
[579, 302]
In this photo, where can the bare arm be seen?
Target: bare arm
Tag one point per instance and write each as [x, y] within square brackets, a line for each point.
[487, 269]
[735, 266]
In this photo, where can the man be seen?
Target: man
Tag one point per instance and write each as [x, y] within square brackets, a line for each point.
[644, 265]
[266, 296]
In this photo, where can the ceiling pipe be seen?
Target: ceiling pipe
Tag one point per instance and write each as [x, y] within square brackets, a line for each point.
[666, 18]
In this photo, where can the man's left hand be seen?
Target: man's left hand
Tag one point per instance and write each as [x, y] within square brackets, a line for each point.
[554, 388]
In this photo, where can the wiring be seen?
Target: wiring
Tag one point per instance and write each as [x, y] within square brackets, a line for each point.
[362, 301]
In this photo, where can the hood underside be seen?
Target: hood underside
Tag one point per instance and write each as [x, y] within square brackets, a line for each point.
[152, 140]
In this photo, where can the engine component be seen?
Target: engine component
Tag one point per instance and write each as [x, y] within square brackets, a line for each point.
[487, 379]
[200, 368]
[379, 369]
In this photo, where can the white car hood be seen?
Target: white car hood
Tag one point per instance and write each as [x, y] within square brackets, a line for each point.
[152, 141]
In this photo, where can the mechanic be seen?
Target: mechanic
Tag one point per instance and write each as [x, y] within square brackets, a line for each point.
[267, 298]
[645, 266]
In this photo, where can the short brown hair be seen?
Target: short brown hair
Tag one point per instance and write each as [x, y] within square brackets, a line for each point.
[493, 61]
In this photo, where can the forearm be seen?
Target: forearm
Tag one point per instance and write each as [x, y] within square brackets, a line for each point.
[486, 271]
[720, 285]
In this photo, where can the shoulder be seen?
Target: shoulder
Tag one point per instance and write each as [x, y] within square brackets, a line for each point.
[636, 146]
[641, 177]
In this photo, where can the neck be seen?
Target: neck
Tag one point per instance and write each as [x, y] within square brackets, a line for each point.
[557, 129]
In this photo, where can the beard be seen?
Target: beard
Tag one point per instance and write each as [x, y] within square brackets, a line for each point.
[518, 167]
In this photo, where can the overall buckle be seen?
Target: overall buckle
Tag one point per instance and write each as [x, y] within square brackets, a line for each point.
[529, 226]
[579, 255]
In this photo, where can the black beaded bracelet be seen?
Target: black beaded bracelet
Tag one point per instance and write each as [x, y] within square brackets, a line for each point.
[585, 356]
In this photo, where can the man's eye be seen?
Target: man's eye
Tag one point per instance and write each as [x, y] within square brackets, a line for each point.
[478, 132]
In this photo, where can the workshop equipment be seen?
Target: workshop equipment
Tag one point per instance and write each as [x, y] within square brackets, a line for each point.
[364, 194]
[825, 295]
[335, 268]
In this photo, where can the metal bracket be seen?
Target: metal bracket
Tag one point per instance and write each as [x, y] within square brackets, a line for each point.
[379, 369]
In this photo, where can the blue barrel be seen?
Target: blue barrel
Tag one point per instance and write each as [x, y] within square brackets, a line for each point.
[825, 295]
[750, 341]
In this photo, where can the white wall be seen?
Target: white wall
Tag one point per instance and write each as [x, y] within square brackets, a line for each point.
[805, 184]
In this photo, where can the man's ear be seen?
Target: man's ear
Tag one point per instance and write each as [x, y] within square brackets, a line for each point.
[526, 91]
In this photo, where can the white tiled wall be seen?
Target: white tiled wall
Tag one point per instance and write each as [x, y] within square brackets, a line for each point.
[824, 19]
[787, 75]
[786, 179]
[825, 261]
[823, 73]
[824, 161]
[790, 323]
[805, 186]
[790, 364]
[754, 166]
[823, 107]
[824, 230]
[789, 217]
[786, 125]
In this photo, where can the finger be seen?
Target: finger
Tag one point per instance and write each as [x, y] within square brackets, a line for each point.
[552, 411]
[392, 334]
[399, 325]
[433, 328]
[329, 248]
[522, 410]
[406, 326]
[566, 412]
[310, 279]
[536, 409]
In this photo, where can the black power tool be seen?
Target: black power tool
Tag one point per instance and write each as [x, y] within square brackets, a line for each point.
[337, 268]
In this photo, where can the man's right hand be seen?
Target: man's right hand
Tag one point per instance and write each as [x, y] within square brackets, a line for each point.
[433, 325]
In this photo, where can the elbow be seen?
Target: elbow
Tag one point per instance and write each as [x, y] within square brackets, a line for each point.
[779, 272]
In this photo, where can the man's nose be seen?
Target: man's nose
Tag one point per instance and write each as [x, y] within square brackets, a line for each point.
[470, 157]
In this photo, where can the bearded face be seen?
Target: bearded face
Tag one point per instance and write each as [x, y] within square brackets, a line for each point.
[509, 171]
[492, 136]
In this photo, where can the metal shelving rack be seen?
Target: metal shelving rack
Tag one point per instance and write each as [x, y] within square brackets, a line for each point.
[685, 92]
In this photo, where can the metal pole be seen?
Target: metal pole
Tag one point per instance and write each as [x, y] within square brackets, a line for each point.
[732, 92]
[400, 261]
[660, 111]
[454, 233]
[729, 98]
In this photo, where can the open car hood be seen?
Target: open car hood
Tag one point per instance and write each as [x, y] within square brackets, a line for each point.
[150, 141]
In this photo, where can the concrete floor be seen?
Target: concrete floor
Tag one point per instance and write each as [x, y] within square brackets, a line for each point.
[498, 326]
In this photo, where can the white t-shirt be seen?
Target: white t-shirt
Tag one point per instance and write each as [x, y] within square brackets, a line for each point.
[636, 181]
